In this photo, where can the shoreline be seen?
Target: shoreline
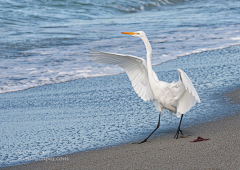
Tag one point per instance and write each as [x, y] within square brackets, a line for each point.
[163, 152]
[103, 75]
[64, 116]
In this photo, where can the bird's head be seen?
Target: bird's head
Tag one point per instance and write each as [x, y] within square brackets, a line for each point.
[139, 34]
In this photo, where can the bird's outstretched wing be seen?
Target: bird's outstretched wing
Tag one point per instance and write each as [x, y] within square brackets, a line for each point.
[189, 97]
[135, 67]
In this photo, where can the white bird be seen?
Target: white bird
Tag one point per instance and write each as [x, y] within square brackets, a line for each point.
[177, 97]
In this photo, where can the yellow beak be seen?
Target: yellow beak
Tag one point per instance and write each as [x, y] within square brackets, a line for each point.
[130, 33]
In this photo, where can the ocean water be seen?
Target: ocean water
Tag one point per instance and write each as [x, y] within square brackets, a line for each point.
[46, 41]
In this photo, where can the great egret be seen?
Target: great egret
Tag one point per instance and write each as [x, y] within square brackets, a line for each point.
[177, 97]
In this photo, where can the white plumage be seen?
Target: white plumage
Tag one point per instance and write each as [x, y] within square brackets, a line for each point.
[135, 68]
[177, 97]
[189, 98]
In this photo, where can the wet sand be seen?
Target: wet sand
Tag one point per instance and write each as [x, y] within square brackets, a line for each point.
[222, 151]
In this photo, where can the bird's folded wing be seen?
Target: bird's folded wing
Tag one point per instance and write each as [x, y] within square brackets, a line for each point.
[135, 68]
[189, 97]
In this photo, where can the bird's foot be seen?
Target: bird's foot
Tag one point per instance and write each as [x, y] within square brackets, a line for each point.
[143, 141]
[140, 142]
[178, 134]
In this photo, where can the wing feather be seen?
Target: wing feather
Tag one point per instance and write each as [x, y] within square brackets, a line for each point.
[189, 97]
[136, 80]
[135, 68]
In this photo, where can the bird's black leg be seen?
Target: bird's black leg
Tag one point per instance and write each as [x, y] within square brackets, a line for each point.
[145, 140]
[176, 136]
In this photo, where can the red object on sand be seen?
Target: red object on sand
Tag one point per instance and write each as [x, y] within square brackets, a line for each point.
[199, 139]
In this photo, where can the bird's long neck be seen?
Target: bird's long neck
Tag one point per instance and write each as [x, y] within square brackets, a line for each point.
[149, 56]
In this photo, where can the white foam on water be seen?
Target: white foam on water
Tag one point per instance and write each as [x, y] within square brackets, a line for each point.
[65, 63]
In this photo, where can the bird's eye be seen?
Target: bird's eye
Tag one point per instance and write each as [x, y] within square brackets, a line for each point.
[137, 33]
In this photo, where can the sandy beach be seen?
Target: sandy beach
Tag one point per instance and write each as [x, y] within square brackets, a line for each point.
[222, 151]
